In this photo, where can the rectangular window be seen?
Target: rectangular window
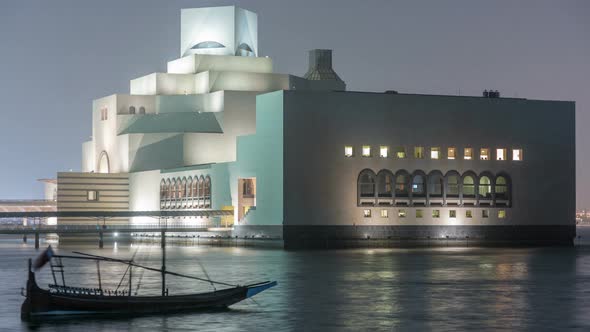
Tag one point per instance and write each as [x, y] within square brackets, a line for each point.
[400, 152]
[517, 154]
[435, 213]
[367, 213]
[484, 154]
[401, 213]
[485, 213]
[92, 195]
[500, 154]
[451, 153]
[435, 153]
[419, 213]
[348, 151]
[501, 214]
[366, 150]
[383, 151]
[452, 213]
[419, 152]
[468, 153]
[104, 114]
[384, 214]
[468, 214]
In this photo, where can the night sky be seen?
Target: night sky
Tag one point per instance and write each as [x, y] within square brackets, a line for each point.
[57, 56]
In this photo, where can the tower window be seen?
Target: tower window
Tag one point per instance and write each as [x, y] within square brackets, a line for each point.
[452, 213]
[419, 213]
[366, 150]
[92, 195]
[468, 214]
[435, 213]
[484, 154]
[384, 214]
[435, 153]
[501, 214]
[468, 154]
[348, 151]
[367, 213]
[500, 154]
[401, 213]
[383, 151]
[451, 152]
[517, 154]
[419, 152]
[400, 152]
[485, 213]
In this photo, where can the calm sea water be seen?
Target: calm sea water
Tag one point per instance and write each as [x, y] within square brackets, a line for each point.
[443, 289]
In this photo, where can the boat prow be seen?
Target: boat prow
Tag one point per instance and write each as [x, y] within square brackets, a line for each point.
[259, 287]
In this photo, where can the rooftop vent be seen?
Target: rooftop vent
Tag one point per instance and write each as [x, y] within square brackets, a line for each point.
[491, 94]
[320, 66]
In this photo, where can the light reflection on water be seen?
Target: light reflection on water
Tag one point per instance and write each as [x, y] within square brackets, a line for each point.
[444, 289]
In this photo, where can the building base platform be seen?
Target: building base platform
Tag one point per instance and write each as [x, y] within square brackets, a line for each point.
[332, 237]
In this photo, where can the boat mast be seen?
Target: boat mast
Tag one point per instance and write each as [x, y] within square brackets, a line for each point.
[98, 272]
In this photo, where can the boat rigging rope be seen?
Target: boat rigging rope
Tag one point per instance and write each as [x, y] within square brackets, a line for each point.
[127, 270]
[142, 272]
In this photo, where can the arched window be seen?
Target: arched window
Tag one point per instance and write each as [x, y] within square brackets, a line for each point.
[502, 190]
[103, 163]
[201, 191]
[131, 109]
[168, 190]
[435, 184]
[163, 192]
[173, 189]
[366, 184]
[207, 191]
[418, 186]
[195, 192]
[452, 184]
[402, 180]
[182, 189]
[384, 184]
[189, 191]
[485, 187]
[141, 110]
[468, 186]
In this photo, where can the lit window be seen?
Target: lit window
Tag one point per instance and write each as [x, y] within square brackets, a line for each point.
[401, 213]
[484, 154]
[348, 151]
[451, 153]
[92, 195]
[367, 213]
[435, 213]
[501, 214]
[517, 154]
[468, 153]
[400, 152]
[419, 152]
[453, 214]
[384, 214]
[468, 214]
[366, 150]
[485, 213]
[500, 154]
[383, 151]
[419, 213]
[434, 153]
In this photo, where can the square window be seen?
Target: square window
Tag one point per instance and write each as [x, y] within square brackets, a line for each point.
[501, 214]
[401, 213]
[434, 153]
[468, 214]
[485, 213]
[384, 214]
[348, 151]
[366, 150]
[517, 154]
[383, 151]
[435, 213]
[419, 213]
[484, 154]
[452, 213]
[419, 152]
[92, 195]
[451, 152]
[500, 154]
[367, 213]
[468, 154]
[400, 152]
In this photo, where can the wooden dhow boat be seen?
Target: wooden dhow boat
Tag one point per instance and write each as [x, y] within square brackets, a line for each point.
[62, 300]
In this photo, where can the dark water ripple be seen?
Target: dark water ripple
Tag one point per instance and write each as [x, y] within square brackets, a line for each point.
[444, 289]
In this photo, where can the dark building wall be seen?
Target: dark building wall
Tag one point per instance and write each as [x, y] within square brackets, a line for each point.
[320, 183]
